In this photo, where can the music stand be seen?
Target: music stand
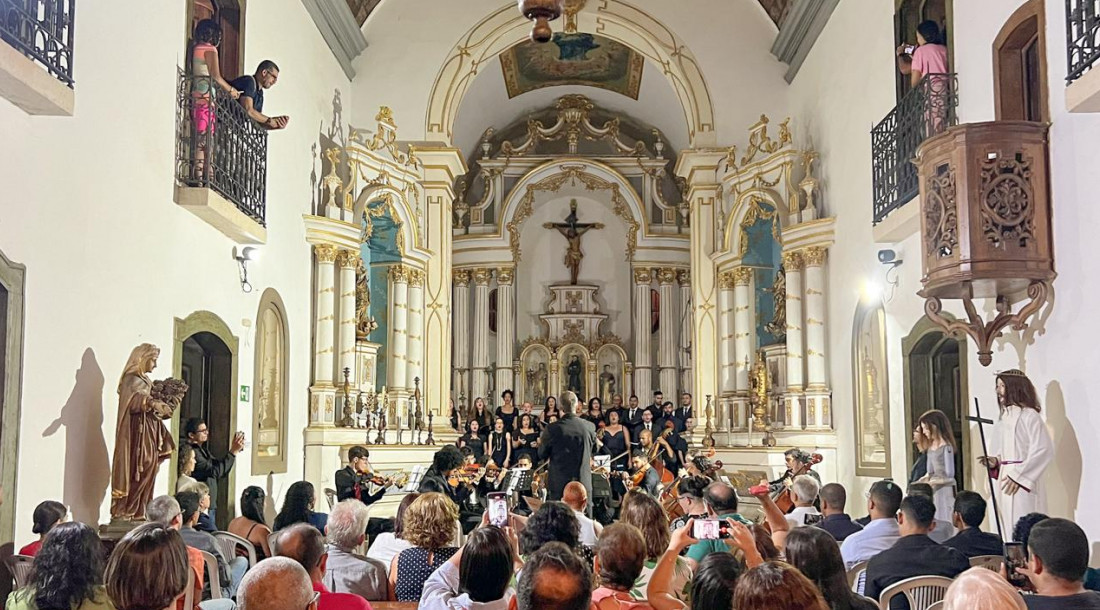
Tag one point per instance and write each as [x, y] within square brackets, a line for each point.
[414, 478]
[518, 481]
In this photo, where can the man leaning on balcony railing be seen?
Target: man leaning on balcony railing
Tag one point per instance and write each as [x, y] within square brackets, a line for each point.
[252, 94]
[928, 56]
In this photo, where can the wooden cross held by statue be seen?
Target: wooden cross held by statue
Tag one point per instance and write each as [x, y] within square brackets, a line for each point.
[977, 418]
[572, 231]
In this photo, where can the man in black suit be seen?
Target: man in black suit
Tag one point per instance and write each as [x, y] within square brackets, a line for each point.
[647, 423]
[968, 516]
[684, 411]
[836, 521]
[657, 408]
[568, 444]
[914, 554]
[632, 416]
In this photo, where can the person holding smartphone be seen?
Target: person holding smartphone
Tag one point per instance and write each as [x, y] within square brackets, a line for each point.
[209, 469]
[1058, 557]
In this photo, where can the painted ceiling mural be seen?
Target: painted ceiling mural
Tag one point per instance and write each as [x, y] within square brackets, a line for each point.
[776, 9]
[573, 59]
[361, 9]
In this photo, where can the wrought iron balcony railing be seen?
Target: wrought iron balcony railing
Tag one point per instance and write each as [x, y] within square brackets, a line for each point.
[43, 31]
[219, 147]
[1082, 36]
[927, 110]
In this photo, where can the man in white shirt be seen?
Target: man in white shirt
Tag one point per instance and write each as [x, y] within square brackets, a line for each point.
[804, 490]
[576, 498]
[881, 532]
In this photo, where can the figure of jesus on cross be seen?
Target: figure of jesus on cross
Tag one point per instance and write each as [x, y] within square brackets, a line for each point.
[572, 231]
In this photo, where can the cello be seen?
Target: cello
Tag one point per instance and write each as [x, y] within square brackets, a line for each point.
[806, 461]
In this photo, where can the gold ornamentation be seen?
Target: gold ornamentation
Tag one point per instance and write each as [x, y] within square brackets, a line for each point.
[573, 123]
[482, 276]
[573, 300]
[666, 275]
[347, 259]
[814, 256]
[643, 275]
[941, 220]
[1007, 208]
[572, 7]
[574, 331]
[742, 276]
[761, 142]
[761, 385]
[398, 274]
[725, 280]
[416, 277]
[757, 211]
[461, 277]
[792, 261]
[505, 275]
[684, 276]
[326, 253]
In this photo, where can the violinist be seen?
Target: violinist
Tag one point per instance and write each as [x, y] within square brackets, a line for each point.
[446, 476]
[355, 479]
[645, 477]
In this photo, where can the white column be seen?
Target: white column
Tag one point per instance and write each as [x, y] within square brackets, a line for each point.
[743, 347]
[792, 263]
[399, 327]
[480, 365]
[322, 395]
[687, 383]
[727, 365]
[347, 260]
[506, 329]
[415, 366]
[666, 336]
[461, 325]
[643, 327]
[816, 376]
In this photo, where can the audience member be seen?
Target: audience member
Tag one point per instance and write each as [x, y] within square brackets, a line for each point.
[914, 554]
[166, 511]
[804, 491]
[575, 496]
[430, 524]
[252, 94]
[552, 522]
[717, 571]
[46, 515]
[251, 525]
[982, 589]
[147, 569]
[304, 544]
[387, 545]
[881, 532]
[777, 586]
[553, 578]
[968, 516]
[186, 466]
[206, 523]
[298, 508]
[646, 514]
[690, 499]
[1058, 558]
[209, 469]
[1022, 528]
[816, 554]
[230, 571]
[920, 461]
[477, 576]
[346, 571]
[943, 531]
[67, 573]
[836, 521]
[721, 501]
[278, 583]
[620, 555]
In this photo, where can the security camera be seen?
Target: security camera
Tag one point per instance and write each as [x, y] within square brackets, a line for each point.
[887, 256]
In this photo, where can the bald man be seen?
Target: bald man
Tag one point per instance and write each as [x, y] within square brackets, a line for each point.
[576, 497]
[304, 544]
[553, 578]
[277, 583]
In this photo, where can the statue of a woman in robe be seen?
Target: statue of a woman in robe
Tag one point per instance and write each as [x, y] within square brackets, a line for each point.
[142, 441]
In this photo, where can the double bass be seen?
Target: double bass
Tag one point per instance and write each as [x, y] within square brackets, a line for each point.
[783, 498]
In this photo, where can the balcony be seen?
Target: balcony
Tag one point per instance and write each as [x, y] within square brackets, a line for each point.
[928, 109]
[1082, 51]
[37, 34]
[221, 160]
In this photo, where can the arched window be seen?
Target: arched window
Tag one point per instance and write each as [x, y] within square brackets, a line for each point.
[1020, 67]
[270, 405]
[872, 396]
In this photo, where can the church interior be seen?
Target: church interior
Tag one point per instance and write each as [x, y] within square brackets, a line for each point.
[758, 208]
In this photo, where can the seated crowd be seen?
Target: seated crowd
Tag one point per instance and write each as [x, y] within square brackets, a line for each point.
[555, 557]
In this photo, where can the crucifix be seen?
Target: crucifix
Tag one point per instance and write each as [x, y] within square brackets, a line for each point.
[572, 231]
[977, 418]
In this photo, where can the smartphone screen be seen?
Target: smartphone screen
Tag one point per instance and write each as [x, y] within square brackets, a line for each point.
[710, 529]
[1015, 557]
[498, 509]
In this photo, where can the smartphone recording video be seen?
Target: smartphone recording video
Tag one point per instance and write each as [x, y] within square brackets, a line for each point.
[710, 529]
[1015, 557]
[498, 509]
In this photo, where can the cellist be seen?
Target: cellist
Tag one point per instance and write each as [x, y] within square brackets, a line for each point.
[798, 463]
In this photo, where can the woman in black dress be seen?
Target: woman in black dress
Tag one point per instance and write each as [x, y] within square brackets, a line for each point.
[508, 410]
[595, 411]
[473, 440]
[550, 408]
[615, 440]
[499, 445]
[525, 440]
[482, 415]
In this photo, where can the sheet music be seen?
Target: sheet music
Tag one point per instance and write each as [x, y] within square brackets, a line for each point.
[415, 476]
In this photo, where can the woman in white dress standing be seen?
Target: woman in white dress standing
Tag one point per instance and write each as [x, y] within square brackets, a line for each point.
[1023, 451]
[936, 428]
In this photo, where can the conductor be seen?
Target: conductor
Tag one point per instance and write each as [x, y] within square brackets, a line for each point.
[568, 444]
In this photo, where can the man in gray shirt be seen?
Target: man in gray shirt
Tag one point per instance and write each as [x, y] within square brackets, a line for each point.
[230, 572]
[346, 571]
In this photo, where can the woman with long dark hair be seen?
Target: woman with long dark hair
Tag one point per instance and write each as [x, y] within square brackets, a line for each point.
[67, 573]
[251, 524]
[484, 418]
[298, 508]
[477, 575]
[816, 554]
[550, 408]
[525, 439]
[148, 569]
[936, 428]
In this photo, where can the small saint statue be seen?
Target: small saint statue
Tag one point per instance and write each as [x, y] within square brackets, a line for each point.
[572, 231]
[573, 372]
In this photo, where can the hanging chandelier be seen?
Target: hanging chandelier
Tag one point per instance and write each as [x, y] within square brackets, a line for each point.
[542, 12]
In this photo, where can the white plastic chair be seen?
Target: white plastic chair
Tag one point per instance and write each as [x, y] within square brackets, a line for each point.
[989, 562]
[330, 496]
[229, 542]
[856, 576]
[189, 592]
[212, 575]
[921, 591]
[936, 606]
[20, 568]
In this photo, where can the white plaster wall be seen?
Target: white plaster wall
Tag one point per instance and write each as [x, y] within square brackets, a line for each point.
[111, 259]
[843, 89]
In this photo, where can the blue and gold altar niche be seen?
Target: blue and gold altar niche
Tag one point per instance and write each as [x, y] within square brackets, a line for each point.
[762, 250]
[380, 251]
[573, 59]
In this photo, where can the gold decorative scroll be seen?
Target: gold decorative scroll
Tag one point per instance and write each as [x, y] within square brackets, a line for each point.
[326, 253]
[461, 277]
